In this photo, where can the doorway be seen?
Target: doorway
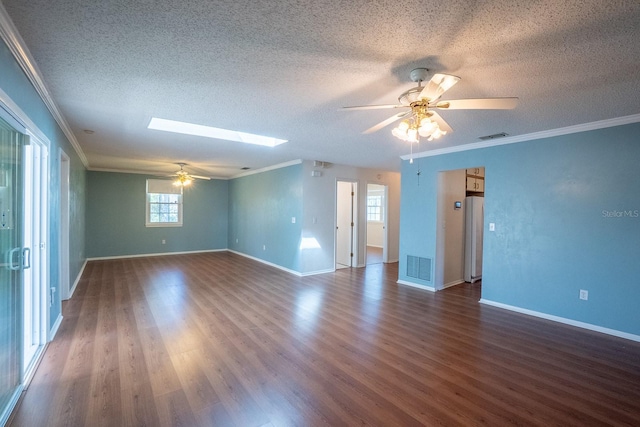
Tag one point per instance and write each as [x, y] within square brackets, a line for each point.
[346, 224]
[377, 208]
[459, 226]
[24, 272]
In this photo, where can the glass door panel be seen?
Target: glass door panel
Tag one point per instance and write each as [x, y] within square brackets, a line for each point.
[12, 256]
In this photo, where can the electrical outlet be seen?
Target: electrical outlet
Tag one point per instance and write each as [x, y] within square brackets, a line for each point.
[492, 226]
[236, 240]
[293, 220]
[264, 247]
[584, 295]
[164, 241]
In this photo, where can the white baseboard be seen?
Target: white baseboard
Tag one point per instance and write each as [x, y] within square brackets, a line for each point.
[564, 320]
[375, 246]
[279, 267]
[75, 282]
[313, 273]
[54, 329]
[391, 261]
[153, 254]
[454, 283]
[415, 285]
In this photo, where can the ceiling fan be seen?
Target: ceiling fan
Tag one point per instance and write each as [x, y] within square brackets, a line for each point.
[184, 178]
[418, 105]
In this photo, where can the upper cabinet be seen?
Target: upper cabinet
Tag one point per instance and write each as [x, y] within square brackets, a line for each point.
[475, 181]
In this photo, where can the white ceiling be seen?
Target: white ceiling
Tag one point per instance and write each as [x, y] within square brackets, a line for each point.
[284, 68]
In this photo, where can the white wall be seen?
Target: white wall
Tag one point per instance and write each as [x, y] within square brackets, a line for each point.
[375, 229]
[320, 204]
[374, 233]
[451, 190]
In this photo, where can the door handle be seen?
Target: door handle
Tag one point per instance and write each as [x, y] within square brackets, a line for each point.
[26, 258]
[11, 265]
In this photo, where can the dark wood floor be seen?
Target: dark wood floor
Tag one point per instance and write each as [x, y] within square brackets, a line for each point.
[217, 339]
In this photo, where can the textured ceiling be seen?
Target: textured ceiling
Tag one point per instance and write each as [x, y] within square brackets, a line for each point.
[283, 69]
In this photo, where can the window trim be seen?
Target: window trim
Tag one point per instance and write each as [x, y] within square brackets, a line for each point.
[180, 204]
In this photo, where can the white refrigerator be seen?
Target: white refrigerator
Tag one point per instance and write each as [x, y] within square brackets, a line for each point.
[474, 223]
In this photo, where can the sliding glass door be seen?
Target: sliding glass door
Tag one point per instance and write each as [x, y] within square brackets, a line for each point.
[13, 259]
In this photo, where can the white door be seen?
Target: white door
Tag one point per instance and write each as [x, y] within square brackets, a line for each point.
[345, 224]
[34, 232]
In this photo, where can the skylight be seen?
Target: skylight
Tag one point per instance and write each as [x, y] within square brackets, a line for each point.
[211, 132]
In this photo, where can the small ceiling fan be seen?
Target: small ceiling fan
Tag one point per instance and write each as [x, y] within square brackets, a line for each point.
[418, 105]
[184, 178]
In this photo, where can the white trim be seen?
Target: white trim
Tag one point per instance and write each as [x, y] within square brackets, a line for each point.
[454, 283]
[279, 267]
[391, 261]
[564, 320]
[102, 258]
[313, 273]
[18, 48]
[54, 329]
[416, 285]
[78, 277]
[601, 124]
[16, 112]
[33, 366]
[268, 168]
[11, 405]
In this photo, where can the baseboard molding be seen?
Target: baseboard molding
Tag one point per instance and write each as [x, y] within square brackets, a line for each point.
[153, 254]
[270, 264]
[78, 277]
[54, 329]
[564, 320]
[415, 285]
[454, 283]
[313, 273]
[391, 261]
[375, 246]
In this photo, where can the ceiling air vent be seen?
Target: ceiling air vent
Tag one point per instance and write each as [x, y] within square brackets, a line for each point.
[494, 136]
[246, 168]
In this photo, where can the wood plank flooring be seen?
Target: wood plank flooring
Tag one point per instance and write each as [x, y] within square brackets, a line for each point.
[215, 339]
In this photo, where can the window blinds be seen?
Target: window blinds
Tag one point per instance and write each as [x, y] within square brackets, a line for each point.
[163, 186]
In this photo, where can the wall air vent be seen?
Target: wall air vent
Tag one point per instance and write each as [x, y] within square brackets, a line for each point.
[419, 268]
[494, 136]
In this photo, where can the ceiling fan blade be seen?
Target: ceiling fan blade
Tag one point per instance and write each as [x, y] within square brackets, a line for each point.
[372, 107]
[387, 122]
[439, 84]
[479, 104]
[441, 122]
[200, 177]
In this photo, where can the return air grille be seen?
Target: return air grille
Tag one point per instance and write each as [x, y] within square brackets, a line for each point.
[494, 136]
[418, 267]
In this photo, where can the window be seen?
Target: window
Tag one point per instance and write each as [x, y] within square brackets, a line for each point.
[164, 204]
[374, 208]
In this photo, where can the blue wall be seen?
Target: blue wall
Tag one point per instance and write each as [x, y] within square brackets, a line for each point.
[17, 86]
[554, 203]
[261, 207]
[116, 204]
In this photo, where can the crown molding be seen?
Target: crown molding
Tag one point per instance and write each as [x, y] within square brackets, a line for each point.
[268, 168]
[600, 124]
[17, 46]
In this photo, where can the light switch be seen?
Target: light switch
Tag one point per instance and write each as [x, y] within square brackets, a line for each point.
[293, 220]
[492, 226]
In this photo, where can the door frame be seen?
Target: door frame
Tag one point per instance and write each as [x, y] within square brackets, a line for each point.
[63, 226]
[385, 222]
[354, 221]
[40, 257]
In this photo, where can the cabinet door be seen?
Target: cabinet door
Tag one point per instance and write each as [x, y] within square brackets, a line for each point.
[475, 184]
[476, 172]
